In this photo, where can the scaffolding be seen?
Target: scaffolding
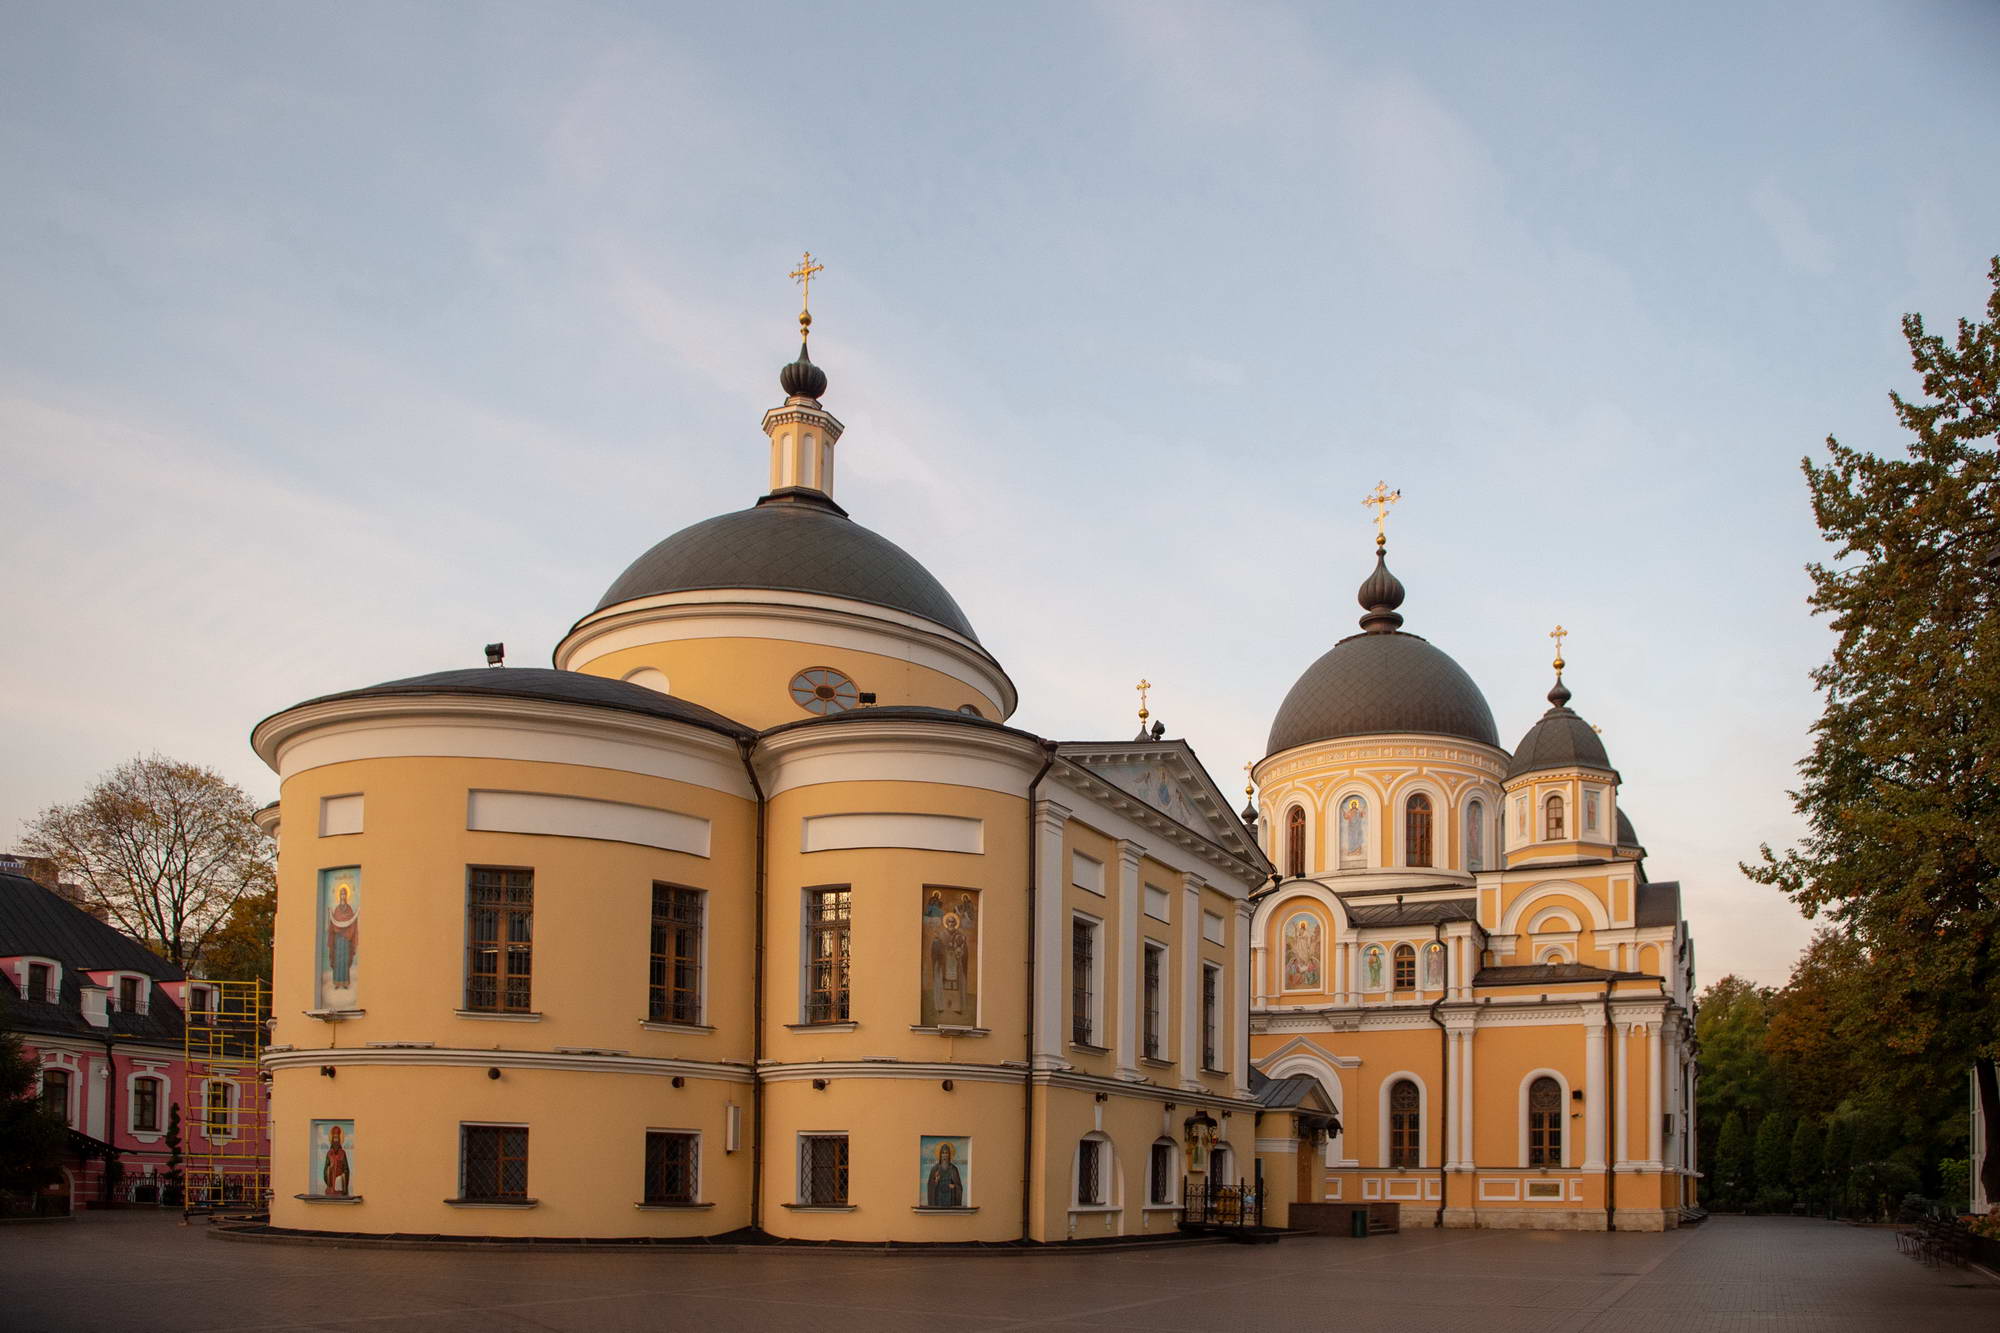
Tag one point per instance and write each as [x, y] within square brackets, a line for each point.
[226, 1100]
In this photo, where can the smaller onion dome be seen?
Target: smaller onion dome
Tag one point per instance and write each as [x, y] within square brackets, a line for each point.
[1380, 594]
[1561, 739]
[801, 378]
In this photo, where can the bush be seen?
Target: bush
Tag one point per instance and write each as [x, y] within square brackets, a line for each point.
[1955, 1183]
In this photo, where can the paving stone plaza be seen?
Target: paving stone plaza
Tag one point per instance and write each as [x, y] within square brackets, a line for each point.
[137, 1271]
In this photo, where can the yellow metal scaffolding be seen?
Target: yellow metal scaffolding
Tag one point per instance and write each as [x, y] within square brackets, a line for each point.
[226, 1102]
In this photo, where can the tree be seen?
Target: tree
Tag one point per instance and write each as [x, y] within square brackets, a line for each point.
[175, 1180]
[1731, 1020]
[241, 948]
[165, 848]
[1735, 1171]
[1808, 1165]
[1901, 788]
[1839, 1152]
[1774, 1164]
[32, 1134]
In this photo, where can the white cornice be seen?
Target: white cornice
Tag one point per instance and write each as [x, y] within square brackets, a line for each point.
[567, 1062]
[1096, 797]
[857, 749]
[712, 613]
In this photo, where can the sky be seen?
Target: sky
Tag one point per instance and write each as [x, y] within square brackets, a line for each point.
[338, 341]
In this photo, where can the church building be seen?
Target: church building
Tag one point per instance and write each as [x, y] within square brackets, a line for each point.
[753, 914]
[1464, 951]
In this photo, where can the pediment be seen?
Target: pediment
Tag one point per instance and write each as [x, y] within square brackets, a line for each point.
[1167, 777]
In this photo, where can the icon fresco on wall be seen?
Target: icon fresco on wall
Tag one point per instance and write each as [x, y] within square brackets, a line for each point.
[1590, 810]
[332, 1158]
[944, 1165]
[1433, 966]
[339, 937]
[1353, 832]
[950, 958]
[1475, 836]
[1302, 952]
[1372, 966]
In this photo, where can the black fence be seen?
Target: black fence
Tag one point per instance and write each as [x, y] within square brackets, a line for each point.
[1217, 1203]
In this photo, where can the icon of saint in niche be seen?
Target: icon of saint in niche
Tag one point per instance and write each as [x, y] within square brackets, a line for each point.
[343, 936]
[945, 1188]
[1302, 953]
[1434, 967]
[1374, 967]
[934, 910]
[334, 1174]
[948, 969]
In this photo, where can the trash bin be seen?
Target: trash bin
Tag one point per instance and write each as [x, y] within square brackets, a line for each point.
[1357, 1223]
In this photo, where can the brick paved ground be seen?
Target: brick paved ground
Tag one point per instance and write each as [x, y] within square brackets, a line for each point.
[141, 1271]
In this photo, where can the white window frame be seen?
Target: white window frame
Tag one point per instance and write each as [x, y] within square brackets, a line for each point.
[1212, 1018]
[1173, 1173]
[701, 956]
[1162, 1003]
[1521, 1120]
[55, 976]
[1383, 1146]
[231, 1122]
[163, 1103]
[144, 986]
[1107, 1175]
[1098, 936]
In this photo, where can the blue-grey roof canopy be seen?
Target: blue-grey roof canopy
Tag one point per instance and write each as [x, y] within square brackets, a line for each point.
[797, 541]
[1382, 680]
[568, 687]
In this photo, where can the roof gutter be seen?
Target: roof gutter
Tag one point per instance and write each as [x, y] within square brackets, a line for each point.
[746, 747]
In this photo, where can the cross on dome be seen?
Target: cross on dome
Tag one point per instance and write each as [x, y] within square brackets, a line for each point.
[1381, 500]
[803, 275]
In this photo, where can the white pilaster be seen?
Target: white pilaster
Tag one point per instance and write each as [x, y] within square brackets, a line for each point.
[1190, 1025]
[1467, 1151]
[1051, 932]
[1239, 1021]
[1123, 981]
[1593, 1097]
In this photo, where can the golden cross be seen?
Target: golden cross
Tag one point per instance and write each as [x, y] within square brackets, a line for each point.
[1380, 500]
[1559, 634]
[1249, 783]
[1142, 687]
[803, 275]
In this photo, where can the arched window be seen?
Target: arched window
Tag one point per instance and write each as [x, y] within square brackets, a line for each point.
[1554, 825]
[1295, 841]
[1094, 1174]
[1417, 831]
[1475, 836]
[1545, 1122]
[1404, 1119]
[1406, 967]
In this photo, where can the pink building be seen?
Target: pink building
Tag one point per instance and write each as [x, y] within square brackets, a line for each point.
[103, 1017]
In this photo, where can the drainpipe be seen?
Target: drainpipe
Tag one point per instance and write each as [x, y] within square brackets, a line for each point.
[757, 1001]
[1444, 1082]
[1610, 1109]
[110, 1110]
[1028, 1046]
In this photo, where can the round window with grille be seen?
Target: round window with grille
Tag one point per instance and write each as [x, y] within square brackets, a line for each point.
[823, 690]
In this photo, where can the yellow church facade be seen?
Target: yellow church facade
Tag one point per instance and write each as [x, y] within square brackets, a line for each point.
[1464, 954]
[752, 916]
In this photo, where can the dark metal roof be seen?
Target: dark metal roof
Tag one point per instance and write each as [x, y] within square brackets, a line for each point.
[798, 542]
[1281, 1093]
[1627, 835]
[35, 921]
[1414, 914]
[1658, 904]
[1560, 739]
[569, 687]
[1533, 973]
[903, 712]
[1382, 682]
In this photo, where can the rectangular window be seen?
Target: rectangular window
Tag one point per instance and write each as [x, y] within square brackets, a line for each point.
[1211, 981]
[128, 995]
[146, 1105]
[674, 983]
[55, 1091]
[218, 1102]
[41, 983]
[500, 940]
[493, 1163]
[671, 1158]
[823, 1170]
[1090, 1172]
[1156, 966]
[829, 915]
[201, 1002]
[1160, 1174]
[1082, 980]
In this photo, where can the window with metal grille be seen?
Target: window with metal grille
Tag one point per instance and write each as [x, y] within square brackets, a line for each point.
[1295, 841]
[674, 981]
[500, 940]
[1090, 1172]
[146, 1105]
[1156, 964]
[829, 914]
[1417, 830]
[1082, 988]
[1553, 830]
[55, 1091]
[1545, 1122]
[1160, 1174]
[823, 1169]
[1211, 981]
[128, 995]
[494, 1163]
[670, 1166]
[218, 1101]
[1404, 1116]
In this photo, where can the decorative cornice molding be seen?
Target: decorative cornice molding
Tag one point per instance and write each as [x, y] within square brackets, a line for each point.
[473, 1058]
